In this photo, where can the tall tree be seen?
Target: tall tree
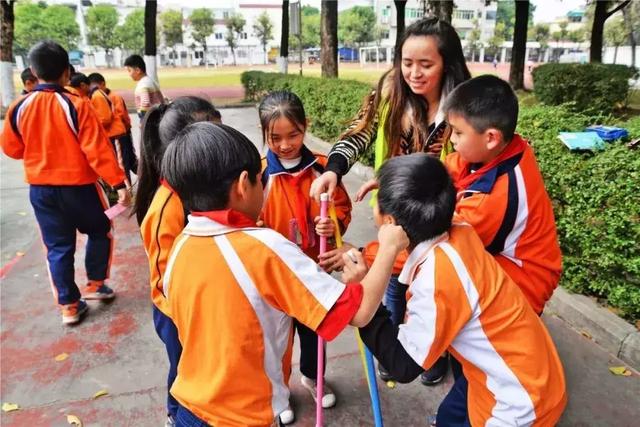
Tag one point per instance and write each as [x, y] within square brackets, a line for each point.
[400, 8]
[284, 38]
[329, 38]
[601, 14]
[61, 26]
[631, 16]
[6, 52]
[131, 32]
[496, 41]
[171, 24]
[442, 9]
[615, 34]
[150, 38]
[102, 21]
[506, 13]
[263, 28]
[235, 26]
[473, 39]
[34, 22]
[516, 72]
[356, 25]
[201, 22]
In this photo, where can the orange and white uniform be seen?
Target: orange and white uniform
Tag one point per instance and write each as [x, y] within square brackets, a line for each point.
[111, 121]
[460, 300]
[232, 289]
[163, 222]
[80, 152]
[287, 200]
[510, 210]
[120, 108]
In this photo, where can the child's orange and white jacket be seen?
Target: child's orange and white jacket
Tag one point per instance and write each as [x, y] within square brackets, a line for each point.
[232, 290]
[510, 210]
[286, 199]
[112, 122]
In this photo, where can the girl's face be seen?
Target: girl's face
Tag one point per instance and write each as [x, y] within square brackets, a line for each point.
[422, 66]
[285, 139]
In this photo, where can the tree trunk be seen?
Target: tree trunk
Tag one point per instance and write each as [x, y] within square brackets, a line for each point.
[329, 38]
[615, 54]
[6, 53]
[516, 72]
[626, 13]
[284, 38]
[599, 17]
[150, 49]
[446, 10]
[400, 6]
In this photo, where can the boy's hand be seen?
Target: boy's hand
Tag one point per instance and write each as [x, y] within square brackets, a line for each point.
[355, 269]
[392, 236]
[124, 197]
[324, 227]
[332, 260]
[372, 184]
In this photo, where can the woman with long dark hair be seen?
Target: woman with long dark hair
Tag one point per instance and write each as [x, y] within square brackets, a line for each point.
[403, 116]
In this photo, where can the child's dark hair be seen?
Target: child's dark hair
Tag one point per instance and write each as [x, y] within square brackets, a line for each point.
[27, 76]
[48, 60]
[135, 61]
[485, 102]
[77, 79]
[203, 162]
[281, 103]
[417, 191]
[159, 127]
[96, 78]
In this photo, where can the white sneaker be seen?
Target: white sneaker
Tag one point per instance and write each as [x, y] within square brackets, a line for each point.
[170, 422]
[328, 396]
[287, 416]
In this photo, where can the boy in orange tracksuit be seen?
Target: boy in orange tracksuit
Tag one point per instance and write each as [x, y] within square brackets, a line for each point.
[119, 109]
[65, 150]
[460, 300]
[500, 189]
[232, 288]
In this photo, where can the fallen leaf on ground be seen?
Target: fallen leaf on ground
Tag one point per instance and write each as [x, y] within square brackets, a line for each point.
[620, 370]
[100, 394]
[586, 334]
[61, 357]
[74, 421]
[19, 253]
[9, 407]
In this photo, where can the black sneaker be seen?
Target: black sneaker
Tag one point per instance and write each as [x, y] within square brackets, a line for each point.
[436, 373]
[384, 374]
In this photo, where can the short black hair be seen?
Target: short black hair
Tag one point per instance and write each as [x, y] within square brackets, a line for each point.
[48, 60]
[203, 162]
[485, 102]
[77, 79]
[27, 76]
[135, 61]
[417, 191]
[96, 78]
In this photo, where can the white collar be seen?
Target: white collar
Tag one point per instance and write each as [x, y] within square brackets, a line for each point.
[418, 256]
[203, 226]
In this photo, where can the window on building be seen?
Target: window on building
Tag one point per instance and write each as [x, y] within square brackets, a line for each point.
[243, 36]
[385, 11]
[463, 14]
[225, 14]
[219, 36]
[491, 15]
[385, 35]
[413, 13]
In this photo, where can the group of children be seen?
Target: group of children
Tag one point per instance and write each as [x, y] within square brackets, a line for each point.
[232, 241]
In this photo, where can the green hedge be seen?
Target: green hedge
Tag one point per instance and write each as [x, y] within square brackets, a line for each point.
[591, 88]
[595, 197]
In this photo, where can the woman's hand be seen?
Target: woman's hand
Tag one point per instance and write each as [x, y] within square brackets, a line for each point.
[325, 183]
[332, 260]
[372, 184]
[355, 269]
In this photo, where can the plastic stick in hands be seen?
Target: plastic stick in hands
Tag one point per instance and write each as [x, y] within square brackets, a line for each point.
[324, 213]
[365, 354]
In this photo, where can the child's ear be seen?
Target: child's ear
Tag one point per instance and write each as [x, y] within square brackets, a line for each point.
[243, 185]
[388, 219]
[494, 138]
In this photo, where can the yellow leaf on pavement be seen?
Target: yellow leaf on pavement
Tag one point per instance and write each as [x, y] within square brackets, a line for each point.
[74, 421]
[61, 357]
[620, 370]
[9, 407]
[19, 253]
[100, 394]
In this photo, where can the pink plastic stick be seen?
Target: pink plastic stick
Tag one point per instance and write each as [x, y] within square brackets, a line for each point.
[324, 213]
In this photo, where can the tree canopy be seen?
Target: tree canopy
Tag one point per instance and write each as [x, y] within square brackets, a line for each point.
[35, 22]
[102, 21]
[356, 25]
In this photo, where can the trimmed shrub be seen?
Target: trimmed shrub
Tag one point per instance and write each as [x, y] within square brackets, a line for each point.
[590, 88]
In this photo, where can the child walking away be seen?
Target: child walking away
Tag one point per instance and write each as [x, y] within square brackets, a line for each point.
[120, 116]
[288, 171]
[147, 92]
[462, 301]
[232, 288]
[65, 150]
[79, 85]
[161, 216]
[500, 188]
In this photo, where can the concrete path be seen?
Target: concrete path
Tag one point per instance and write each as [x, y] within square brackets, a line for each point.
[116, 349]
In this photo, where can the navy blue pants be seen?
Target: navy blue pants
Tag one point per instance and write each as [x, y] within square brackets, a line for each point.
[166, 330]
[308, 351]
[453, 411]
[186, 418]
[396, 300]
[61, 211]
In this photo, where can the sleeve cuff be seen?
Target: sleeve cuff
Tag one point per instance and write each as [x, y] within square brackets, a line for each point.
[342, 312]
[338, 165]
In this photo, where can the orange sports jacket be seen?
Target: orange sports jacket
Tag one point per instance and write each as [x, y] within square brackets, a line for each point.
[60, 139]
[108, 117]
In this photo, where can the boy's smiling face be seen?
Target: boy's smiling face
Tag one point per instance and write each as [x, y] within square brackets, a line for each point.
[473, 146]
